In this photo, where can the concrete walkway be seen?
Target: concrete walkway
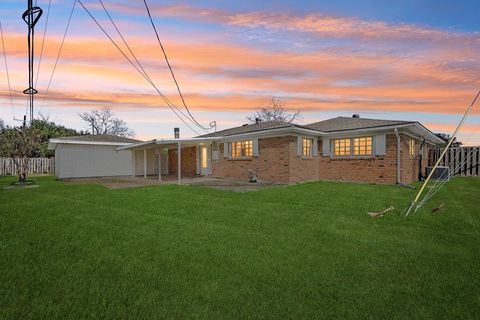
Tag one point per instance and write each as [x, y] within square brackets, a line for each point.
[135, 182]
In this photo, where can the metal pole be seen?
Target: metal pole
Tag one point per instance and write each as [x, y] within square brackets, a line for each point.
[145, 163]
[31, 17]
[465, 115]
[160, 165]
[179, 162]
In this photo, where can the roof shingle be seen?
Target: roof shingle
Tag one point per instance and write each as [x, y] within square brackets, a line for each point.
[246, 128]
[101, 138]
[350, 123]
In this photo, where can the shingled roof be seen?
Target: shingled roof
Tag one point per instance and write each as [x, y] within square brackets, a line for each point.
[247, 128]
[100, 138]
[351, 123]
[329, 125]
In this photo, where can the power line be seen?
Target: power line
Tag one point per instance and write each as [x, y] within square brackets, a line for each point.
[171, 69]
[6, 68]
[136, 67]
[59, 52]
[144, 74]
[43, 40]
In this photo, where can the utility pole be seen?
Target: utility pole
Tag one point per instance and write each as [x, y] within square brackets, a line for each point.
[31, 17]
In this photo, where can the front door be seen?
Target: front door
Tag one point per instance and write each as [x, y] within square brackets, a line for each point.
[204, 160]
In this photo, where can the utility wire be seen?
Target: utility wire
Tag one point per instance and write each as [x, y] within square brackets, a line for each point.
[145, 75]
[43, 40]
[144, 72]
[171, 69]
[172, 107]
[6, 68]
[59, 52]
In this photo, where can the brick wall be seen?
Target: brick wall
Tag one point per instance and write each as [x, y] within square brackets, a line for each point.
[409, 165]
[272, 163]
[278, 161]
[189, 161]
[379, 169]
[302, 168]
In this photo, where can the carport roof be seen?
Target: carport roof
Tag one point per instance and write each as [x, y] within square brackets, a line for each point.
[100, 138]
[169, 143]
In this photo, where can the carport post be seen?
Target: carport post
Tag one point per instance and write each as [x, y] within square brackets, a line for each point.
[160, 164]
[179, 162]
[145, 163]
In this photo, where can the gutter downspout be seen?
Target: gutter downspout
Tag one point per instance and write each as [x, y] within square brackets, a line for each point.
[398, 156]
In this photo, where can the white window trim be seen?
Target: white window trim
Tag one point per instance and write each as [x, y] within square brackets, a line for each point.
[311, 147]
[230, 150]
[352, 156]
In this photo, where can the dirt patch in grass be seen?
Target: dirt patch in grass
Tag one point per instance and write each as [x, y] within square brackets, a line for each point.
[236, 185]
[21, 185]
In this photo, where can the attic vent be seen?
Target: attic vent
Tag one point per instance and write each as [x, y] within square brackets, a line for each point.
[356, 115]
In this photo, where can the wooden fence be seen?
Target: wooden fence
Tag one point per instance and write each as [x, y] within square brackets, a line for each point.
[462, 161]
[36, 166]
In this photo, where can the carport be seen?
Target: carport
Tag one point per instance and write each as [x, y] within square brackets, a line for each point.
[188, 157]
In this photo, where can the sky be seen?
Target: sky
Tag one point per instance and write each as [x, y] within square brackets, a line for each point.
[403, 60]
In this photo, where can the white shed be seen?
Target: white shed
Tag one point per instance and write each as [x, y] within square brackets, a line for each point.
[91, 156]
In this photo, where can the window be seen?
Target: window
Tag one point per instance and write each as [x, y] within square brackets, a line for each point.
[342, 147]
[307, 147]
[242, 149]
[411, 148]
[361, 146]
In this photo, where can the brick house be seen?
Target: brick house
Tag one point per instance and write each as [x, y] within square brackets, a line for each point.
[343, 148]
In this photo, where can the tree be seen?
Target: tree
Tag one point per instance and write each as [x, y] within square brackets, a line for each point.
[104, 121]
[20, 144]
[2, 124]
[48, 130]
[275, 110]
[446, 137]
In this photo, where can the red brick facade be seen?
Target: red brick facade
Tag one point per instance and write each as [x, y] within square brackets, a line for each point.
[272, 163]
[189, 162]
[278, 162]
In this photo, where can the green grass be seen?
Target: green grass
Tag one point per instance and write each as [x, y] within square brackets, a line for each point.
[304, 251]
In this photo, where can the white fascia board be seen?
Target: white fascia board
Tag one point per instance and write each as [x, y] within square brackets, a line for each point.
[420, 132]
[423, 132]
[187, 140]
[135, 145]
[432, 137]
[375, 130]
[273, 133]
[54, 142]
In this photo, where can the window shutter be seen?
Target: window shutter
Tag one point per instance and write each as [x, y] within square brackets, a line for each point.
[255, 147]
[326, 147]
[299, 145]
[380, 144]
[315, 147]
[225, 150]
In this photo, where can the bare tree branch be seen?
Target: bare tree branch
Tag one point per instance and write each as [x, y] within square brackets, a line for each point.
[104, 121]
[275, 110]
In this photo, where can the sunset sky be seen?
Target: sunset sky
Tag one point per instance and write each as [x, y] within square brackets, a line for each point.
[406, 60]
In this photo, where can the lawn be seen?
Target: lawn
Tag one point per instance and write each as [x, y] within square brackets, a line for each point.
[303, 251]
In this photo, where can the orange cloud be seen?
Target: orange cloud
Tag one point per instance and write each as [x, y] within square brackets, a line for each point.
[227, 76]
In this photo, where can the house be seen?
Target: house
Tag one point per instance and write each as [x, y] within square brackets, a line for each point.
[342, 148]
